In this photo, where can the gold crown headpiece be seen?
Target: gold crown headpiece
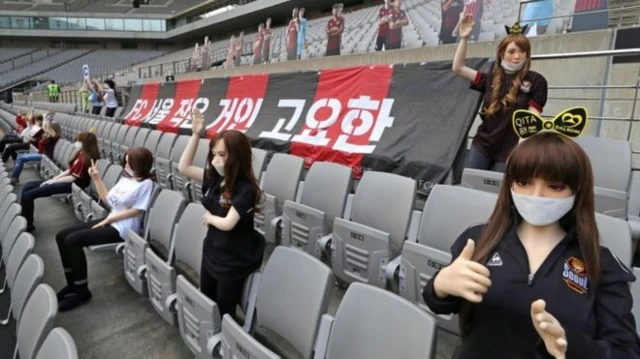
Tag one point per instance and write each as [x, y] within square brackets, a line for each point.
[516, 29]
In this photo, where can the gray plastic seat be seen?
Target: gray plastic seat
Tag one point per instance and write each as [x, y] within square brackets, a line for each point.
[22, 248]
[127, 143]
[187, 240]
[280, 184]
[200, 160]
[236, 343]
[359, 331]
[81, 199]
[163, 159]
[152, 141]
[163, 215]
[363, 245]
[615, 234]
[258, 161]
[36, 321]
[111, 146]
[10, 235]
[141, 137]
[488, 181]
[97, 208]
[27, 279]
[103, 141]
[611, 178]
[323, 198]
[179, 182]
[58, 345]
[443, 220]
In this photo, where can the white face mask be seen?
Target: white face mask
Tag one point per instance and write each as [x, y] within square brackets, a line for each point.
[78, 144]
[542, 211]
[219, 168]
[510, 67]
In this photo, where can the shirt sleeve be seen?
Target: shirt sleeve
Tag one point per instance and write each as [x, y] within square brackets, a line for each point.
[539, 89]
[143, 195]
[616, 336]
[78, 166]
[480, 82]
[243, 199]
[450, 304]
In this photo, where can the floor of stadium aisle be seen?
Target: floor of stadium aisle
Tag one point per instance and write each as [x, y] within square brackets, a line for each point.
[117, 322]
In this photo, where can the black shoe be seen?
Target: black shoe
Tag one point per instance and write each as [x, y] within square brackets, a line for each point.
[64, 292]
[74, 300]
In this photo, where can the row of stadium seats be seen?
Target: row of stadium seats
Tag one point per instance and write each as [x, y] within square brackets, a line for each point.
[33, 304]
[399, 248]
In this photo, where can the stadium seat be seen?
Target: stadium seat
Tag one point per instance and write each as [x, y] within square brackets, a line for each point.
[292, 295]
[443, 219]
[281, 182]
[36, 321]
[58, 345]
[92, 208]
[488, 181]
[163, 159]
[187, 240]
[359, 331]
[157, 239]
[179, 182]
[323, 198]
[29, 276]
[615, 234]
[236, 343]
[362, 245]
[22, 248]
[129, 138]
[82, 210]
[258, 161]
[200, 160]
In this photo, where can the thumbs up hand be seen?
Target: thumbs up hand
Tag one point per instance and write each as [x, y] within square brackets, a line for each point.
[463, 278]
[549, 329]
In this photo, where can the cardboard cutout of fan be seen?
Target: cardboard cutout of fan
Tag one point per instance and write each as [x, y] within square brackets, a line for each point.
[571, 122]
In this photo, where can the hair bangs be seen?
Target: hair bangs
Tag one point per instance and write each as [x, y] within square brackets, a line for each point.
[545, 156]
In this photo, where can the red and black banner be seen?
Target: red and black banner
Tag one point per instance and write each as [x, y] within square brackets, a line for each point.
[410, 119]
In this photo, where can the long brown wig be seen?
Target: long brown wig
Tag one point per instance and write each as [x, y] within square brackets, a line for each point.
[237, 166]
[508, 100]
[554, 158]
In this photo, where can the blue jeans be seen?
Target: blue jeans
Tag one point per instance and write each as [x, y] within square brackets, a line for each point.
[25, 157]
[477, 159]
[32, 190]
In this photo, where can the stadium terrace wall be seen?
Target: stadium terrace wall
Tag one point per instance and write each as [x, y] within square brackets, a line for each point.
[410, 119]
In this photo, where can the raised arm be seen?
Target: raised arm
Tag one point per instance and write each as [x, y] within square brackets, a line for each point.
[185, 166]
[464, 30]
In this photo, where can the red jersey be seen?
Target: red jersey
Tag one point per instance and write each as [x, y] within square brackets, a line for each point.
[21, 124]
[334, 41]
[588, 5]
[395, 35]
[292, 34]
[471, 7]
[383, 13]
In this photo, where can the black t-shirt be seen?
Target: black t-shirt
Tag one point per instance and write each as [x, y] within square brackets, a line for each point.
[496, 136]
[230, 255]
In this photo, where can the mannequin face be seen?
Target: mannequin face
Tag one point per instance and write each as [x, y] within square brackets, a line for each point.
[538, 187]
[514, 54]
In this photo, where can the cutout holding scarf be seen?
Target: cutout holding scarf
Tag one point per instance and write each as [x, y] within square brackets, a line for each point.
[570, 122]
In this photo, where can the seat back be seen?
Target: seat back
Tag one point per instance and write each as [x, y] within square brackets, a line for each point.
[615, 234]
[488, 181]
[163, 159]
[141, 137]
[152, 140]
[189, 235]
[361, 332]
[164, 214]
[326, 187]
[58, 345]
[200, 160]
[22, 248]
[607, 173]
[293, 295]
[27, 279]
[258, 161]
[37, 321]
[17, 226]
[12, 212]
[384, 201]
[282, 177]
[112, 176]
[443, 218]
[178, 180]
[236, 343]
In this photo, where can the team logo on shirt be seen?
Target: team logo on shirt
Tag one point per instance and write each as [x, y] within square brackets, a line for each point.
[495, 260]
[575, 275]
[225, 201]
[525, 87]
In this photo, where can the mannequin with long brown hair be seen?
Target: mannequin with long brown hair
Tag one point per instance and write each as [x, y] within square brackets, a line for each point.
[510, 86]
[534, 281]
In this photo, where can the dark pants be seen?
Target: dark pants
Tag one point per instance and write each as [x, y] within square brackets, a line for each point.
[477, 159]
[9, 139]
[32, 190]
[380, 42]
[71, 242]
[110, 111]
[227, 295]
[95, 110]
[12, 150]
